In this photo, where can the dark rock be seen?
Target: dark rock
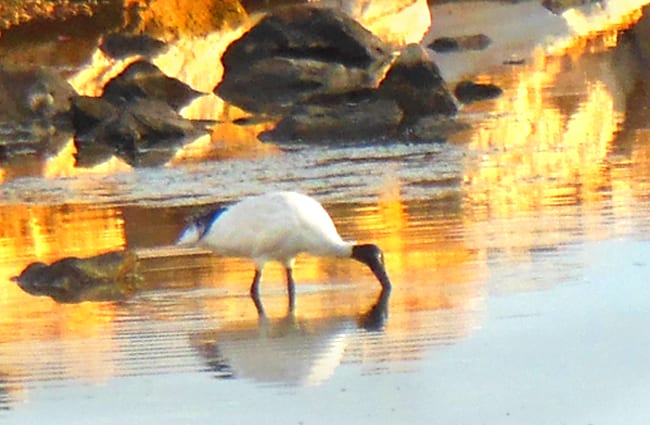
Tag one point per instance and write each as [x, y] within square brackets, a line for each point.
[307, 32]
[467, 91]
[559, 6]
[414, 82]
[274, 85]
[639, 37]
[91, 152]
[34, 106]
[104, 277]
[142, 79]
[135, 118]
[142, 132]
[296, 53]
[118, 46]
[434, 129]
[455, 44]
[367, 120]
[514, 61]
[89, 112]
[32, 94]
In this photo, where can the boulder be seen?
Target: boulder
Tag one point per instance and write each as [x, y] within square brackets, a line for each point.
[307, 32]
[296, 53]
[28, 94]
[142, 79]
[34, 106]
[88, 112]
[275, 85]
[120, 45]
[457, 44]
[136, 118]
[468, 91]
[414, 82]
[142, 131]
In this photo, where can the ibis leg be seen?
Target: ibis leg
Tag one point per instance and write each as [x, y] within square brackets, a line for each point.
[255, 293]
[291, 290]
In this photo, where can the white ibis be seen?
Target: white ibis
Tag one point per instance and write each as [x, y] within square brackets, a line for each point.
[277, 226]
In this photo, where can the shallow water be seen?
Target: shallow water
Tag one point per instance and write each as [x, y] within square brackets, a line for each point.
[518, 252]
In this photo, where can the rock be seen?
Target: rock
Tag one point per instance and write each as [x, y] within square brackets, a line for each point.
[467, 91]
[296, 53]
[28, 94]
[142, 131]
[105, 277]
[456, 44]
[119, 46]
[135, 118]
[142, 79]
[88, 112]
[274, 85]
[434, 129]
[367, 120]
[34, 106]
[639, 35]
[414, 82]
[559, 6]
[310, 33]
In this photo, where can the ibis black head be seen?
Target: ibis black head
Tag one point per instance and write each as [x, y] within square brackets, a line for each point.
[371, 256]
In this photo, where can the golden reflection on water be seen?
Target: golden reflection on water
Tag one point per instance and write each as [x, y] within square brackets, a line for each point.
[83, 339]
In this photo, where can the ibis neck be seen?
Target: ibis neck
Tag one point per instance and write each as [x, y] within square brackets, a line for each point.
[342, 249]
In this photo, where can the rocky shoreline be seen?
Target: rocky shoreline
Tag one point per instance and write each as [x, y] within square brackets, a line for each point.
[314, 71]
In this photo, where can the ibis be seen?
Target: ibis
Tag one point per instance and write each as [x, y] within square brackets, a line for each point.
[277, 226]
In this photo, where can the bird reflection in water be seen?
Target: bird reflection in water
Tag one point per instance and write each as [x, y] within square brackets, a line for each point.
[288, 350]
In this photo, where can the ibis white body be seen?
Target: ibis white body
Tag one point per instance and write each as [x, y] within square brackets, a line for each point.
[277, 226]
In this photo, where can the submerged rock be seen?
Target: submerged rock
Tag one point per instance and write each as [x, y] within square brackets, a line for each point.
[468, 91]
[370, 119]
[457, 44]
[120, 45]
[105, 277]
[434, 129]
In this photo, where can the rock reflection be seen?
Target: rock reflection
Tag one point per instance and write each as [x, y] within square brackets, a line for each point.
[289, 350]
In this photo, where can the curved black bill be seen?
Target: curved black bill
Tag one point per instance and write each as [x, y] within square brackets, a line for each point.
[380, 273]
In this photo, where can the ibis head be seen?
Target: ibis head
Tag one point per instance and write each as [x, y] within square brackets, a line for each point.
[372, 256]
